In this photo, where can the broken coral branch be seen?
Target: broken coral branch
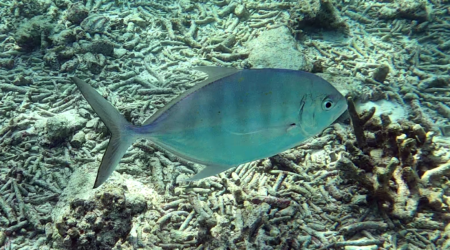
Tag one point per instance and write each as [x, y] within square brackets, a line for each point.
[358, 122]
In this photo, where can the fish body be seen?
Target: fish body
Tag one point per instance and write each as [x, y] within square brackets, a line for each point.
[234, 117]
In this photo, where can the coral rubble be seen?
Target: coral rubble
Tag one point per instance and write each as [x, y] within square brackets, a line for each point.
[379, 182]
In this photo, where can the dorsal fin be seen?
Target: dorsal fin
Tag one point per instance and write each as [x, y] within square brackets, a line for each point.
[214, 74]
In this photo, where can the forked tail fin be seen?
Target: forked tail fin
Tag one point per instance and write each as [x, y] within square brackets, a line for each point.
[122, 133]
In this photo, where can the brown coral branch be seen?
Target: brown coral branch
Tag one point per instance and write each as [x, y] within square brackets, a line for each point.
[383, 175]
[406, 199]
[349, 171]
[358, 121]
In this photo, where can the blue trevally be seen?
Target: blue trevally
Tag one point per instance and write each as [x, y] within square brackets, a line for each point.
[233, 117]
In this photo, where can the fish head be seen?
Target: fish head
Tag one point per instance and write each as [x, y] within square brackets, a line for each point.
[323, 105]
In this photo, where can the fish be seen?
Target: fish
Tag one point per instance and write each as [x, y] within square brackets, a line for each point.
[233, 117]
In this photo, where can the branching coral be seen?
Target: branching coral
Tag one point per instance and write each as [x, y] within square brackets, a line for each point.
[400, 171]
[359, 121]
[294, 200]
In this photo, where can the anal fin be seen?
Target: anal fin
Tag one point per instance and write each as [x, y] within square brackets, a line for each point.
[208, 171]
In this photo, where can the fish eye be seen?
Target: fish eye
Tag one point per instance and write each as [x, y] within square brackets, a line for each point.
[327, 104]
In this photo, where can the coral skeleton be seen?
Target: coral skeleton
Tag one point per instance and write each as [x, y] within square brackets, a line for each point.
[379, 181]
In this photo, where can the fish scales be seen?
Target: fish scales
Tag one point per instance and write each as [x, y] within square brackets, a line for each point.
[242, 128]
[235, 117]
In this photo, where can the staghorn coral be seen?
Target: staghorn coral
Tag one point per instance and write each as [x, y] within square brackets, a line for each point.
[154, 46]
[359, 121]
[403, 159]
